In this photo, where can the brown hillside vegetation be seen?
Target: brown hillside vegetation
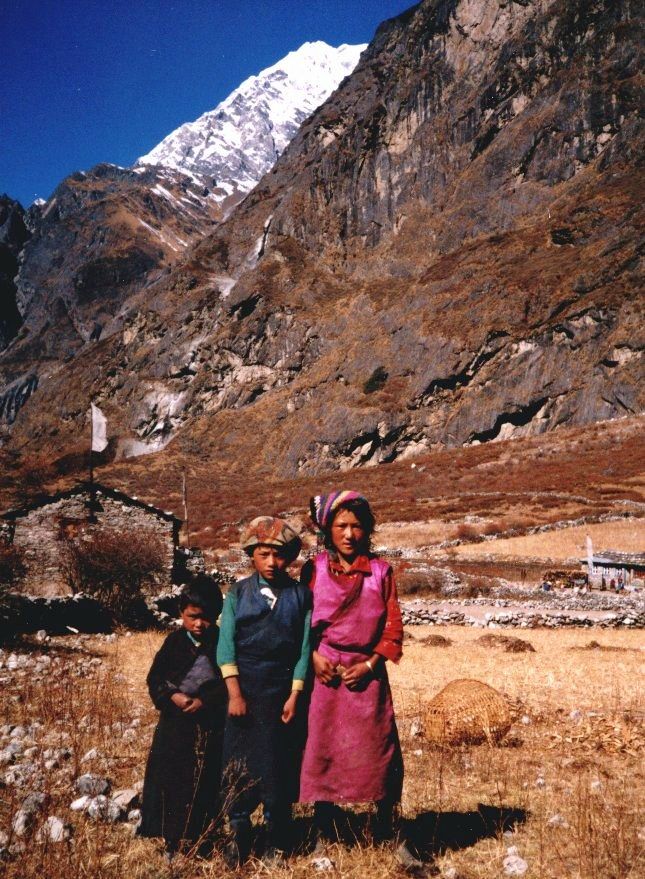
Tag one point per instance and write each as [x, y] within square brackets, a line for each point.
[591, 471]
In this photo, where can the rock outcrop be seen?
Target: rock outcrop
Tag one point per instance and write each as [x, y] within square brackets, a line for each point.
[447, 252]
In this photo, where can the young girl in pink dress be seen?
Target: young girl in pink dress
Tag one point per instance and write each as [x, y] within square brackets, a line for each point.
[352, 753]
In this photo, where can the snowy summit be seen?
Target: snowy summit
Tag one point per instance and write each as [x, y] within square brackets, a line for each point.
[235, 144]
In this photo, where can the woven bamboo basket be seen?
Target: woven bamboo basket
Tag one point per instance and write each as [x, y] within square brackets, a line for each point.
[467, 712]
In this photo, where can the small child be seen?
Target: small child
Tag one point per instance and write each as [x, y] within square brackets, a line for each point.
[183, 774]
[263, 653]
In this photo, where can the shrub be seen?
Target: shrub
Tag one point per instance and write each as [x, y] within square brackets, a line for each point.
[12, 565]
[467, 532]
[376, 381]
[113, 566]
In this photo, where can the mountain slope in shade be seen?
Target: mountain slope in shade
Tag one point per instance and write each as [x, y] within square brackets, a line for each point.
[235, 144]
[447, 252]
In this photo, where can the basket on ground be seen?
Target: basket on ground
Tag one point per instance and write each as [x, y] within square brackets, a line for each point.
[467, 712]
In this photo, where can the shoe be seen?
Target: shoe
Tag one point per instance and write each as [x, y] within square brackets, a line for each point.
[237, 850]
[273, 857]
[404, 858]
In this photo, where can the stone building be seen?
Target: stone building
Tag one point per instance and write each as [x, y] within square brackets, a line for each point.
[41, 528]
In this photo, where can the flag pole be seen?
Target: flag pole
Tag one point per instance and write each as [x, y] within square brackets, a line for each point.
[185, 499]
[91, 444]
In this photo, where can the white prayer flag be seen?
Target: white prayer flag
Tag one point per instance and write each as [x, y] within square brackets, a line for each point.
[99, 429]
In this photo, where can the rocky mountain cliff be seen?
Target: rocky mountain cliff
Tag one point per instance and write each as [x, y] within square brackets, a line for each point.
[447, 252]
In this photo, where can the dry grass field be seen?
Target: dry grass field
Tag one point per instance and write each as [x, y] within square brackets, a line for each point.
[566, 543]
[572, 764]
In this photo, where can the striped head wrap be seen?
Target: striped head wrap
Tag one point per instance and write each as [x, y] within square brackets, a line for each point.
[323, 506]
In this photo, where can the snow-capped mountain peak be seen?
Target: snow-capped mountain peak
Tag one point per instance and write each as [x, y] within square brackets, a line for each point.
[240, 140]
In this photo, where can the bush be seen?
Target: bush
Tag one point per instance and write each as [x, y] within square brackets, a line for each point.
[12, 565]
[468, 532]
[113, 566]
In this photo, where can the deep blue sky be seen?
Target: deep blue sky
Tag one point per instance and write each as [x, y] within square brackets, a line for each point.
[87, 81]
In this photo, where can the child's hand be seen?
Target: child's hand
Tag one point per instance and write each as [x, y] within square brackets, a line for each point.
[181, 700]
[352, 676]
[194, 704]
[323, 668]
[289, 710]
[237, 706]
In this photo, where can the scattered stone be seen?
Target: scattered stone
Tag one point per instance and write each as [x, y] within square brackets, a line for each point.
[92, 754]
[595, 786]
[92, 785]
[134, 817]
[54, 830]
[102, 808]
[322, 865]
[41, 636]
[513, 864]
[21, 822]
[126, 799]
[540, 782]
[33, 803]
[416, 728]
[81, 804]
[557, 821]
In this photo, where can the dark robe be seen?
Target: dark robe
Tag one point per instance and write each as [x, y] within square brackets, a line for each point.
[261, 753]
[183, 775]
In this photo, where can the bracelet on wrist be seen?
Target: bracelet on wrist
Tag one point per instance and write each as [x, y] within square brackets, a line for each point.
[368, 663]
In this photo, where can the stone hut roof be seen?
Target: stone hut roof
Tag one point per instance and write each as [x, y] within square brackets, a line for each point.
[84, 488]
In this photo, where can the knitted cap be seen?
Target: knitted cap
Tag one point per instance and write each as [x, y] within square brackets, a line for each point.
[323, 506]
[271, 531]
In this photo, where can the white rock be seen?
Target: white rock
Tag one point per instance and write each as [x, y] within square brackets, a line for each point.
[81, 804]
[526, 720]
[53, 830]
[416, 728]
[596, 786]
[322, 865]
[513, 864]
[21, 822]
[557, 821]
[102, 808]
[540, 782]
[125, 798]
[41, 635]
[92, 754]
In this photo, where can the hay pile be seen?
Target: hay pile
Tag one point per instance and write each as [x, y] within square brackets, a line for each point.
[506, 642]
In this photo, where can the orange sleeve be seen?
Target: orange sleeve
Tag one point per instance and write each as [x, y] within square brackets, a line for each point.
[391, 644]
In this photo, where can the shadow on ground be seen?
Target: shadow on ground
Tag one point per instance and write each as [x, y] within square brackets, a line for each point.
[427, 835]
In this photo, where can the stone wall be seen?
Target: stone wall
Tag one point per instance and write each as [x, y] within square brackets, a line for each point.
[42, 531]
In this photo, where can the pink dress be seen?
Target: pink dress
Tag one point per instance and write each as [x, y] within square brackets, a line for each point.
[352, 752]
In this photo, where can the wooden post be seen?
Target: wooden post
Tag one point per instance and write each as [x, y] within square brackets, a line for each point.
[185, 499]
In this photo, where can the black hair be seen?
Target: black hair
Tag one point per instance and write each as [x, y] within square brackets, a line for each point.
[363, 512]
[202, 591]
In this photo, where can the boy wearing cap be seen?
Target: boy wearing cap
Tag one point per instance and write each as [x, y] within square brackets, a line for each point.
[263, 652]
